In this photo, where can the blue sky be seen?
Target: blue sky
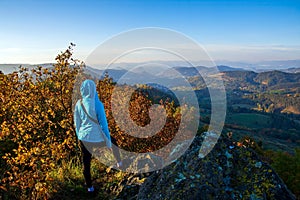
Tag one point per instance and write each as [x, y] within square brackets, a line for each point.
[36, 31]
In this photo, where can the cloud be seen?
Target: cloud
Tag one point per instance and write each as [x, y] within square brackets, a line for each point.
[253, 53]
[246, 53]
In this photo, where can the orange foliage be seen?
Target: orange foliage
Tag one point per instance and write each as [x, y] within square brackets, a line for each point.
[36, 115]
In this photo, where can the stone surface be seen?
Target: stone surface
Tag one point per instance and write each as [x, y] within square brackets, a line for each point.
[227, 172]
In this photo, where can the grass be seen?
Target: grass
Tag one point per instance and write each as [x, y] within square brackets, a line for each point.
[69, 184]
[250, 120]
[247, 106]
[68, 171]
[69, 181]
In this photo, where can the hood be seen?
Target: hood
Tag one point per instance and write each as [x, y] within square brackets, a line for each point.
[88, 94]
[88, 89]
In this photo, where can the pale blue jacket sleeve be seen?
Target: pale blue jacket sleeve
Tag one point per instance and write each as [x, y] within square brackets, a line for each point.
[77, 120]
[103, 121]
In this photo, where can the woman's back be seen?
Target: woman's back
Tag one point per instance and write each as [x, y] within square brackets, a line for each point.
[86, 129]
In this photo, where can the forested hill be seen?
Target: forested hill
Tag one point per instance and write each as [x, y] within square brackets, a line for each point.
[264, 81]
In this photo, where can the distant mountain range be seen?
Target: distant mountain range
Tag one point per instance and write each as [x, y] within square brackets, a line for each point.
[9, 68]
[263, 65]
[289, 66]
[174, 77]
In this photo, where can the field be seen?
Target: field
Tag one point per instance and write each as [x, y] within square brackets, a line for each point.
[249, 120]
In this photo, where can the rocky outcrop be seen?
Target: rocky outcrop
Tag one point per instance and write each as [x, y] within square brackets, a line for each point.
[227, 172]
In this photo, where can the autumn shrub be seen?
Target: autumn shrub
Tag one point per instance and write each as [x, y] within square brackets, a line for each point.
[36, 115]
[140, 102]
[37, 135]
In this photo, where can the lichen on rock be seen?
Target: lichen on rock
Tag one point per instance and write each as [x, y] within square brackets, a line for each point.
[227, 172]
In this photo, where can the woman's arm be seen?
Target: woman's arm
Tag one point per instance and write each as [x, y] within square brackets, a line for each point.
[77, 119]
[103, 121]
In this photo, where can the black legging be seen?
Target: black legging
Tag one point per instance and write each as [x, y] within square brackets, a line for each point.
[87, 157]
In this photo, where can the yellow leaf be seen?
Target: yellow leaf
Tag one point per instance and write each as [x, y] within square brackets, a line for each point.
[3, 188]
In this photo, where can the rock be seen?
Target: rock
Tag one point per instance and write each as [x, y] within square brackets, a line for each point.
[225, 173]
[142, 163]
[258, 164]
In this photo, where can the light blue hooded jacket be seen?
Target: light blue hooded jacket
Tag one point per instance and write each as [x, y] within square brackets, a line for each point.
[86, 129]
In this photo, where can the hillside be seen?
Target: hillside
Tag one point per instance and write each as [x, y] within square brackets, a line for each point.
[263, 82]
[265, 106]
[40, 152]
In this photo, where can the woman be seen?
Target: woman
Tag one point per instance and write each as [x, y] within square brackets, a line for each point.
[89, 118]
